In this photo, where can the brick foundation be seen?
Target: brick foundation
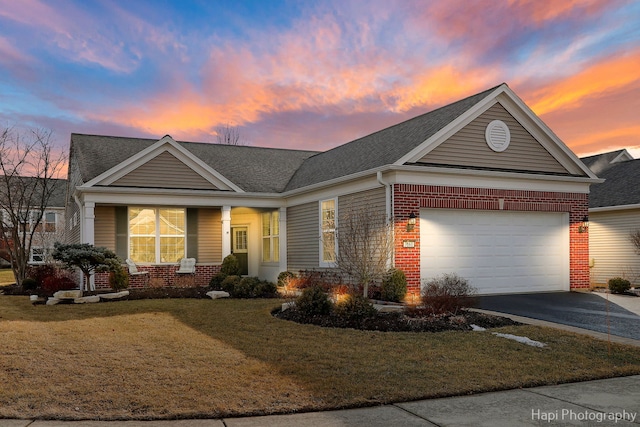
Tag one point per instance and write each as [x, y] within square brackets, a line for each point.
[164, 276]
[410, 198]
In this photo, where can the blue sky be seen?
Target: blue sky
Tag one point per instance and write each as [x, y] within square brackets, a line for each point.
[313, 75]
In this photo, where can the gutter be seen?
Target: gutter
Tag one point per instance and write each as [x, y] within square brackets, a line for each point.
[387, 193]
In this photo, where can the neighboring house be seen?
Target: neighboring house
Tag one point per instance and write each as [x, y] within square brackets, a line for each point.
[51, 227]
[481, 187]
[614, 213]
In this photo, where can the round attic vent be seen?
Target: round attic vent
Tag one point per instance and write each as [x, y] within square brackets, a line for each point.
[497, 135]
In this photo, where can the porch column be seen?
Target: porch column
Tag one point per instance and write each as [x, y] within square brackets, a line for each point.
[283, 239]
[88, 235]
[226, 231]
[89, 219]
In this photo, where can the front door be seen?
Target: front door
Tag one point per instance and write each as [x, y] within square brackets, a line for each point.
[240, 248]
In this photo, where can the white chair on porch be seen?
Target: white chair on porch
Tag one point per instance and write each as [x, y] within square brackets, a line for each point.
[133, 268]
[187, 266]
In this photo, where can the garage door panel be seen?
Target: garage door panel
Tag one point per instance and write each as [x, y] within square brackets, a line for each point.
[497, 251]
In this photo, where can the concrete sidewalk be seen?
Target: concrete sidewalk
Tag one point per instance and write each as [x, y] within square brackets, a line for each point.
[614, 401]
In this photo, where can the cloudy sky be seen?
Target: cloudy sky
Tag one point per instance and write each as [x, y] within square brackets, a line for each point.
[313, 75]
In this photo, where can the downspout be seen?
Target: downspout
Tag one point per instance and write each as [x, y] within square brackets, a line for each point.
[83, 286]
[388, 200]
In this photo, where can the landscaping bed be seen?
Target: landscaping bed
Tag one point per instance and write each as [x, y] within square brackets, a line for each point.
[399, 321]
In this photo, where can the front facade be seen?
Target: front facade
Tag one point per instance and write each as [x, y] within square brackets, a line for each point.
[480, 187]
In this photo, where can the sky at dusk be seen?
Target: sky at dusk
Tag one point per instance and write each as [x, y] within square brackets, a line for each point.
[314, 75]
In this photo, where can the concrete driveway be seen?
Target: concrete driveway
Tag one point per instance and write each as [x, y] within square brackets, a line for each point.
[615, 314]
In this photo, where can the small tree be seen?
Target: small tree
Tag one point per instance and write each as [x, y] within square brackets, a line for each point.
[365, 237]
[87, 258]
[634, 238]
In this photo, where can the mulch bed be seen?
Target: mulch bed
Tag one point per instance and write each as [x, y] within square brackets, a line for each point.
[400, 322]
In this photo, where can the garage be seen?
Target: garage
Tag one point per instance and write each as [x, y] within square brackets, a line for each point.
[499, 252]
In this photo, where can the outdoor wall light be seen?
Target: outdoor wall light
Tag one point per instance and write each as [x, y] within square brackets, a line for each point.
[411, 223]
[584, 227]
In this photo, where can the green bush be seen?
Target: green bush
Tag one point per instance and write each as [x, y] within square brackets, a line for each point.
[229, 283]
[266, 289]
[285, 277]
[447, 293]
[29, 284]
[314, 301]
[618, 285]
[394, 286]
[245, 287]
[119, 278]
[216, 281]
[230, 266]
[355, 307]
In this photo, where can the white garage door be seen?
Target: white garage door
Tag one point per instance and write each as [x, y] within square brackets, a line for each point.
[497, 251]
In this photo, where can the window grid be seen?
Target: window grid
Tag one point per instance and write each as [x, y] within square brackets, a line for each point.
[271, 236]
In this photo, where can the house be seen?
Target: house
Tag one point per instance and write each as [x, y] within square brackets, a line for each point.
[52, 225]
[480, 187]
[614, 213]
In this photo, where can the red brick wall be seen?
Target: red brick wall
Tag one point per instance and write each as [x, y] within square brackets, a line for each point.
[410, 198]
[163, 275]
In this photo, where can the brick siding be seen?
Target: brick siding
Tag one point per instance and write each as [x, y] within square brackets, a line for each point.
[410, 198]
[164, 275]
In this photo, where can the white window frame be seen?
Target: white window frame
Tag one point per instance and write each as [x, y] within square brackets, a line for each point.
[274, 222]
[321, 261]
[43, 255]
[157, 235]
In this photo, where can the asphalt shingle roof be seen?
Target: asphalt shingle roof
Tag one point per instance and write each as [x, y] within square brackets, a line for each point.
[254, 169]
[621, 186]
[380, 148]
[601, 162]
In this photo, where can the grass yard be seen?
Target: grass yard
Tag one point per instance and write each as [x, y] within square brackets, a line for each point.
[6, 277]
[202, 358]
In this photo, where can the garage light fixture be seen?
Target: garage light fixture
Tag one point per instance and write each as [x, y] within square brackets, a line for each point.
[411, 223]
[584, 227]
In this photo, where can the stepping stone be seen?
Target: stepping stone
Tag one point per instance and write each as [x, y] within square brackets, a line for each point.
[90, 298]
[288, 305]
[71, 294]
[217, 294]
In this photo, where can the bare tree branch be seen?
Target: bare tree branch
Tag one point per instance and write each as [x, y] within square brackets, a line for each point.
[28, 171]
[365, 244]
[228, 135]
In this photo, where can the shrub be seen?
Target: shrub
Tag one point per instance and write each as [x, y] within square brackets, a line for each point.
[59, 282]
[355, 307]
[29, 284]
[40, 272]
[118, 278]
[216, 281]
[322, 278]
[618, 285]
[266, 289]
[285, 277]
[229, 283]
[230, 266]
[314, 301]
[447, 293]
[394, 286]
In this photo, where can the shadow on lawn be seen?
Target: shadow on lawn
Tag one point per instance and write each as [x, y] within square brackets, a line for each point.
[352, 367]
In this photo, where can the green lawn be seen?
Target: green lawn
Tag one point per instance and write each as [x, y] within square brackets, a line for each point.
[6, 276]
[204, 358]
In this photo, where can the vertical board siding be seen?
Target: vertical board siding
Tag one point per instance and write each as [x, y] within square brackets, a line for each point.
[468, 147]
[303, 239]
[105, 227]
[164, 171]
[610, 251]
[209, 236]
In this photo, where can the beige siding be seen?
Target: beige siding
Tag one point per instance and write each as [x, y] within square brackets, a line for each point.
[468, 147]
[610, 251]
[164, 171]
[373, 200]
[71, 215]
[209, 236]
[303, 239]
[105, 227]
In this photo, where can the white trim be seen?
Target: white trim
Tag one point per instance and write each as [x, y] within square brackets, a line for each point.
[283, 239]
[622, 157]
[165, 144]
[614, 208]
[321, 261]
